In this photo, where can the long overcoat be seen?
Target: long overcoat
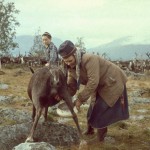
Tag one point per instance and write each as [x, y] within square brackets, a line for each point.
[99, 76]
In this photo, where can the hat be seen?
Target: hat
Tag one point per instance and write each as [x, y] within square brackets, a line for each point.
[66, 49]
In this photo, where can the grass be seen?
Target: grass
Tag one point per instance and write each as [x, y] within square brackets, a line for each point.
[128, 134]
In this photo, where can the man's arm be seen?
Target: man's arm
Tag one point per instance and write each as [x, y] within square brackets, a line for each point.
[93, 79]
[72, 82]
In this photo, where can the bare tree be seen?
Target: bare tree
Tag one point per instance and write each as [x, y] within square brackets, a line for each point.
[148, 54]
[37, 48]
[80, 44]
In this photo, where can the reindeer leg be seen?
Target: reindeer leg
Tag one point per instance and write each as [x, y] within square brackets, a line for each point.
[37, 116]
[67, 99]
[75, 118]
[33, 113]
[45, 114]
[83, 143]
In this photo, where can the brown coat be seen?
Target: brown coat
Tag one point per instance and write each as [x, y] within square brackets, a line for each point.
[98, 75]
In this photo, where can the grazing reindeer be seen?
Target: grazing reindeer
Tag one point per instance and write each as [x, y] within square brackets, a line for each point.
[44, 85]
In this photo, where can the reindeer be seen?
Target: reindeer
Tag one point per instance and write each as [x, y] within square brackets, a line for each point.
[43, 87]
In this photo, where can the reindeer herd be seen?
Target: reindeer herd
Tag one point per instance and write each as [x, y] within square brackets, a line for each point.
[136, 65]
[24, 60]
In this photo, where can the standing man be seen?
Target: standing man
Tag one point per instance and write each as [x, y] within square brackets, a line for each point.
[104, 82]
[50, 49]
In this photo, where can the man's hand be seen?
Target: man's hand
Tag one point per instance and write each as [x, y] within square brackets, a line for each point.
[78, 103]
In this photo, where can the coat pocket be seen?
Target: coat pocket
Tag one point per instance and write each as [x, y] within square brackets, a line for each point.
[110, 81]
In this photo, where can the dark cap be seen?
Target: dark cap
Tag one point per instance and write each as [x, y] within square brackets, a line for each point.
[66, 49]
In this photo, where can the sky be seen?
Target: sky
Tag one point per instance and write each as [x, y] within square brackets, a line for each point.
[96, 21]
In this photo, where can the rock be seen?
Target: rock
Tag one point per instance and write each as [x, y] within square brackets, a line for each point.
[110, 140]
[139, 92]
[52, 133]
[136, 93]
[3, 86]
[141, 100]
[137, 117]
[4, 99]
[34, 146]
[142, 110]
[14, 115]
[2, 72]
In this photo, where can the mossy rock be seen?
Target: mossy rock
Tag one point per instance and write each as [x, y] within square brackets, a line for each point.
[2, 72]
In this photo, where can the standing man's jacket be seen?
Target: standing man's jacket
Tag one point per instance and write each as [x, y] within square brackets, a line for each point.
[51, 53]
[98, 75]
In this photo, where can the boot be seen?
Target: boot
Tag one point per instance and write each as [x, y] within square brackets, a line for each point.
[89, 130]
[101, 133]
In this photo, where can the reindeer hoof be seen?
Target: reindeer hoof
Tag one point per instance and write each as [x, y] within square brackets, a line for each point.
[29, 140]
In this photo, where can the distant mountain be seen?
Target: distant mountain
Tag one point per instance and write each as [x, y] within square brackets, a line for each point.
[25, 43]
[123, 48]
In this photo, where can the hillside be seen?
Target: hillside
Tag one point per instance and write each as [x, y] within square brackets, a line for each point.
[123, 48]
[25, 42]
